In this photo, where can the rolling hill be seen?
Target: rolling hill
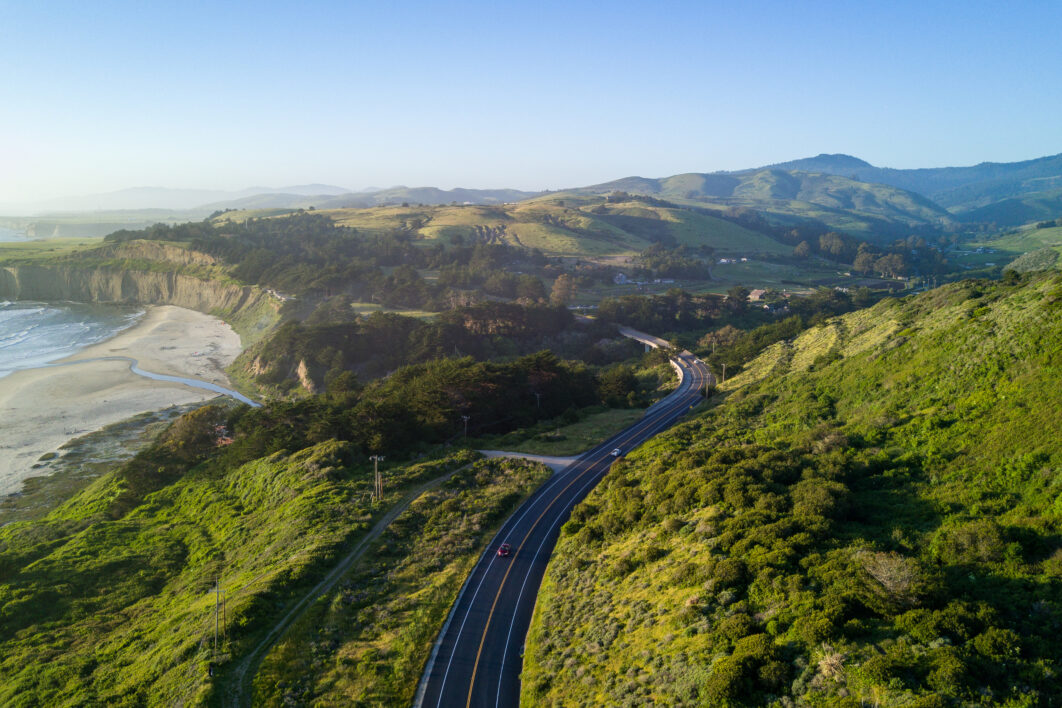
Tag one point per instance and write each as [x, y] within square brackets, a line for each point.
[840, 203]
[1009, 193]
[573, 226]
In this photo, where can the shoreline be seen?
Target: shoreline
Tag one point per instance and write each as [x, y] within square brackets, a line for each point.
[43, 408]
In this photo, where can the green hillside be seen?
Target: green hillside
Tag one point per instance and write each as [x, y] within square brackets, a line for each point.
[1016, 211]
[587, 226]
[869, 514]
[1027, 240]
[840, 203]
[107, 600]
[990, 189]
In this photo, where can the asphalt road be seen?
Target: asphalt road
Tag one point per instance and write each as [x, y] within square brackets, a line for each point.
[479, 656]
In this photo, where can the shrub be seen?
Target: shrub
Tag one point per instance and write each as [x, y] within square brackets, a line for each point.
[819, 497]
[815, 628]
[880, 668]
[757, 648]
[997, 644]
[895, 578]
[948, 672]
[736, 627]
[727, 682]
[978, 541]
[728, 572]
[774, 675]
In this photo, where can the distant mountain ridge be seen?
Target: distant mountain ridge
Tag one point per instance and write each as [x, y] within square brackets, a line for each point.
[962, 190]
[838, 202]
[840, 191]
[295, 197]
[135, 198]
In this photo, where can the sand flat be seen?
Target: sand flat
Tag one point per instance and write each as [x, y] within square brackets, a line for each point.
[40, 409]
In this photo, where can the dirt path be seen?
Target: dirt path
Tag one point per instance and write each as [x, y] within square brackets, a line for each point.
[239, 691]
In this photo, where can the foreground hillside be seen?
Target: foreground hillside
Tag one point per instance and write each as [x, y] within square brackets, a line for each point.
[109, 600]
[868, 514]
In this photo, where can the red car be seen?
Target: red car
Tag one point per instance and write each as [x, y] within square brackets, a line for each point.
[504, 550]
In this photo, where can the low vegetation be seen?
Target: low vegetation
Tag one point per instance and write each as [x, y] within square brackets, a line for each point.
[367, 642]
[108, 599]
[871, 519]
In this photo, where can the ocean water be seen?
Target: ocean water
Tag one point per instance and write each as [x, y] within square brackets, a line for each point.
[12, 235]
[33, 334]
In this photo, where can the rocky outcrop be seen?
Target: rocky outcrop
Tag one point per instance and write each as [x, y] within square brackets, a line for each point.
[303, 373]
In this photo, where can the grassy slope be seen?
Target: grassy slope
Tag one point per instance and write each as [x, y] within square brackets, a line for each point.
[1025, 240]
[1015, 211]
[567, 226]
[859, 208]
[20, 251]
[367, 642]
[101, 606]
[871, 513]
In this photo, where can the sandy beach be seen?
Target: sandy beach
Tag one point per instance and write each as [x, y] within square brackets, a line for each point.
[40, 409]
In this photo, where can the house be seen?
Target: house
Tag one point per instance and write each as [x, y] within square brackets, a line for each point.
[620, 279]
[756, 295]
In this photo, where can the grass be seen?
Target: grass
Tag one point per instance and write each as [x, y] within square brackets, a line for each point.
[101, 606]
[564, 436]
[576, 226]
[44, 248]
[367, 308]
[1024, 240]
[563, 440]
[367, 642]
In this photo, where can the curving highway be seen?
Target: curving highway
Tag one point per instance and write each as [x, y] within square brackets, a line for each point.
[479, 654]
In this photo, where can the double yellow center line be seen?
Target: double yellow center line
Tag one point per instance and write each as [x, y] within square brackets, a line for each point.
[490, 616]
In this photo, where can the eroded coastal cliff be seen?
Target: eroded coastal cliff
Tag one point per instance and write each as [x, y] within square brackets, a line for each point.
[250, 310]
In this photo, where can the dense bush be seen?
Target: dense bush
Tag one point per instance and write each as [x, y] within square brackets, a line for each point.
[881, 529]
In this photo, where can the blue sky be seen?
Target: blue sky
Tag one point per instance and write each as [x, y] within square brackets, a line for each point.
[105, 95]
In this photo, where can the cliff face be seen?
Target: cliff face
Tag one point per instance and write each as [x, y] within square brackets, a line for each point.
[250, 310]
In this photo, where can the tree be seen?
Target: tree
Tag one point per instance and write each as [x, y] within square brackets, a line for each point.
[833, 244]
[529, 287]
[892, 265]
[864, 262]
[737, 297]
[802, 250]
[564, 289]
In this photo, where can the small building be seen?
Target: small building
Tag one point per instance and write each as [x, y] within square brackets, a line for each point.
[756, 295]
[620, 279]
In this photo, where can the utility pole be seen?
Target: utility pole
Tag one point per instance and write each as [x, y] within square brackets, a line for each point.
[723, 380]
[538, 400]
[465, 418]
[377, 479]
[218, 613]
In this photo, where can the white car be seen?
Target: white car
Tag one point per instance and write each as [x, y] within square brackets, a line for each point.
[616, 453]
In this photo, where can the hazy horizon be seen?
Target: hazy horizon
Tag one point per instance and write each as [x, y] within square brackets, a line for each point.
[478, 96]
